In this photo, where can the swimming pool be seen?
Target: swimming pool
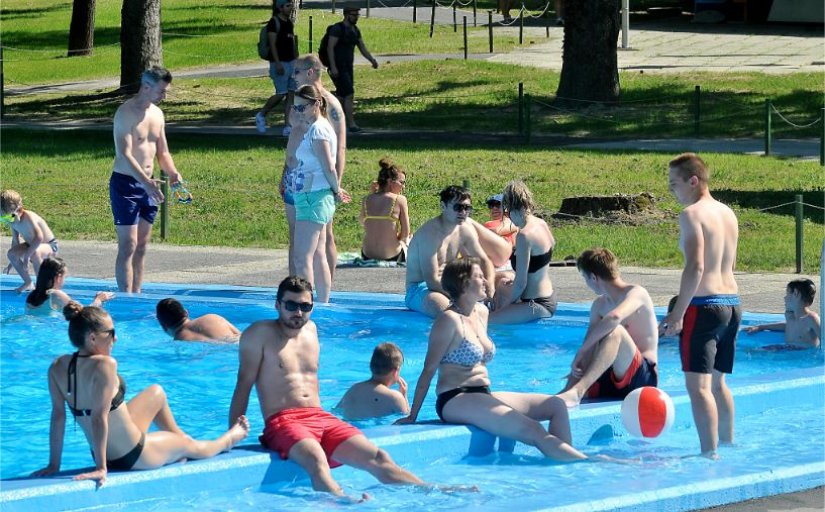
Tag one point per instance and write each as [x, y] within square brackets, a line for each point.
[199, 379]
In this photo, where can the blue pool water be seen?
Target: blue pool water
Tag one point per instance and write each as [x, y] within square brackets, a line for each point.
[199, 379]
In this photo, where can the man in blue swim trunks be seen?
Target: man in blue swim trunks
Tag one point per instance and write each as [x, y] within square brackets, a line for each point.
[620, 350]
[440, 240]
[139, 138]
[706, 312]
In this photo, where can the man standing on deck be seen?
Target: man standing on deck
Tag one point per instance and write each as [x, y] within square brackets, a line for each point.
[707, 311]
[140, 136]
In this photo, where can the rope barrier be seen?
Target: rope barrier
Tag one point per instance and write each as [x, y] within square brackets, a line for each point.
[814, 206]
[817, 120]
[775, 207]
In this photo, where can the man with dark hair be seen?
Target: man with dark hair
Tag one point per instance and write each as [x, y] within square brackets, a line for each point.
[707, 311]
[280, 358]
[343, 38]
[801, 325]
[374, 398]
[140, 137]
[282, 53]
[620, 350]
[174, 319]
[439, 241]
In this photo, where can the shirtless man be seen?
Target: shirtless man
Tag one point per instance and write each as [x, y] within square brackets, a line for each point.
[174, 319]
[308, 71]
[38, 239]
[620, 350]
[707, 311]
[374, 398]
[801, 325]
[280, 358]
[439, 241]
[139, 138]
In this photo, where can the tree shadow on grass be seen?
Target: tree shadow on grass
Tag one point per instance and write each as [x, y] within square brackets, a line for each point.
[10, 13]
[770, 198]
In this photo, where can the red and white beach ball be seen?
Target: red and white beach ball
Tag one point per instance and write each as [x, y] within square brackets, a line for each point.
[647, 412]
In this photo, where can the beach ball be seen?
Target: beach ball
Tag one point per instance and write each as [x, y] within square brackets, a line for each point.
[647, 412]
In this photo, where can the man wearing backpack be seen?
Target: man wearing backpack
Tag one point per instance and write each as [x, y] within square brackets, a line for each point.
[343, 38]
[282, 52]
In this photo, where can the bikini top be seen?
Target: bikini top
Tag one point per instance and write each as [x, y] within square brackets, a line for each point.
[388, 216]
[537, 262]
[468, 353]
[116, 401]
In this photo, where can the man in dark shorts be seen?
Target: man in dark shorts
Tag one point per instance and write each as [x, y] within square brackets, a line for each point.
[343, 38]
[280, 358]
[620, 350]
[707, 311]
[282, 54]
[140, 137]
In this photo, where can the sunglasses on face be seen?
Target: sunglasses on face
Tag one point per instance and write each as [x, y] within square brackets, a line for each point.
[459, 207]
[291, 305]
[110, 332]
[300, 108]
[493, 204]
[401, 182]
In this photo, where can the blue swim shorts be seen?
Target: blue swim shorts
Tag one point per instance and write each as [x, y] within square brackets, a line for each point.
[130, 201]
[286, 82]
[415, 296]
[317, 206]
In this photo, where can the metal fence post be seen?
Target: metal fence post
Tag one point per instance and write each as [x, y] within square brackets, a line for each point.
[465, 37]
[625, 24]
[768, 141]
[432, 20]
[333, 6]
[368, 8]
[799, 219]
[527, 108]
[490, 29]
[521, 25]
[455, 19]
[164, 206]
[415, 12]
[475, 9]
[310, 35]
[521, 108]
[697, 113]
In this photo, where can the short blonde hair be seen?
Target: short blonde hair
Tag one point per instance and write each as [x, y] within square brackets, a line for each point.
[10, 200]
[517, 196]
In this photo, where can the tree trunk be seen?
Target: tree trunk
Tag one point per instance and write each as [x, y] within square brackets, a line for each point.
[589, 63]
[140, 42]
[82, 28]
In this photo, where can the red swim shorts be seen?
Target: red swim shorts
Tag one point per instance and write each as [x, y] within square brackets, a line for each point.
[284, 429]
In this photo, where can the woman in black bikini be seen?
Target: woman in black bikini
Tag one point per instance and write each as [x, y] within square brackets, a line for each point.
[529, 295]
[117, 431]
[385, 216]
[459, 349]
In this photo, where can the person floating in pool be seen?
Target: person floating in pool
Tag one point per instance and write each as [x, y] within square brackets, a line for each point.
[374, 398]
[48, 294]
[174, 319]
[620, 350]
[118, 432]
[440, 240]
[707, 312]
[528, 295]
[801, 325]
[459, 350]
[38, 240]
[280, 358]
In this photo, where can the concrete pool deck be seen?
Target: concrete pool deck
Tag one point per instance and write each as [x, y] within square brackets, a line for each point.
[266, 267]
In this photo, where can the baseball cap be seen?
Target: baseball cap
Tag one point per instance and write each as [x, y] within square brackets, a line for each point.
[495, 199]
[350, 9]
[281, 3]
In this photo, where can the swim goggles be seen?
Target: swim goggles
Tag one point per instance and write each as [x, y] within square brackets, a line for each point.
[181, 194]
[7, 218]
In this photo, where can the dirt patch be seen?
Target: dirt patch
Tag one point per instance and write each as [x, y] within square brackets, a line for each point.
[633, 210]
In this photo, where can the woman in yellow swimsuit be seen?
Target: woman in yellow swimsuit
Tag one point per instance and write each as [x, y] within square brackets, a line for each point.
[385, 216]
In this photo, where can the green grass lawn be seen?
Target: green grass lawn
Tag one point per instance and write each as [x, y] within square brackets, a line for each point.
[63, 176]
[483, 97]
[35, 35]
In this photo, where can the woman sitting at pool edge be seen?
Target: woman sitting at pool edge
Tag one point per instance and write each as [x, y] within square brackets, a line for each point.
[117, 431]
[459, 349]
[385, 216]
[48, 294]
[529, 295]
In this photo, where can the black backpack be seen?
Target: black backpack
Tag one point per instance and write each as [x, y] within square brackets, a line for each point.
[263, 40]
[323, 55]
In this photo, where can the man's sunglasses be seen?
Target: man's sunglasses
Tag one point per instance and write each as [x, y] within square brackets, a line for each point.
[459, 207]
[291, 305]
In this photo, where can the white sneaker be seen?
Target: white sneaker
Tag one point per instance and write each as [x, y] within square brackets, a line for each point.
[287, 131]
[260, 122]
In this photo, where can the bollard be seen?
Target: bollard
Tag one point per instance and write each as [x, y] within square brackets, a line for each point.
[697, 96]
[521, 108]
[799, 219]
[767, 127]
[310, 35]
[521, 25]
[415, 12]
[625, 24]
[821, 136]
[547, 26]
[432, 20]
[490, 29]
[455, 19]
[475, 8]
[527, 109]
[333, 6]
[465, 37]
[164, 206]
[368, 8]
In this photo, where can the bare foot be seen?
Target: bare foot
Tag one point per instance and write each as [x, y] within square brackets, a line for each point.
[712, 455]
[571, 398]
[25, 287]
[238, 432]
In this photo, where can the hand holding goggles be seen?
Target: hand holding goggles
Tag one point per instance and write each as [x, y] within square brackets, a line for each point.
[182, 195]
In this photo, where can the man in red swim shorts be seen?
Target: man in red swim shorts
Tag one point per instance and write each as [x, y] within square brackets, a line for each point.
[280, 358]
